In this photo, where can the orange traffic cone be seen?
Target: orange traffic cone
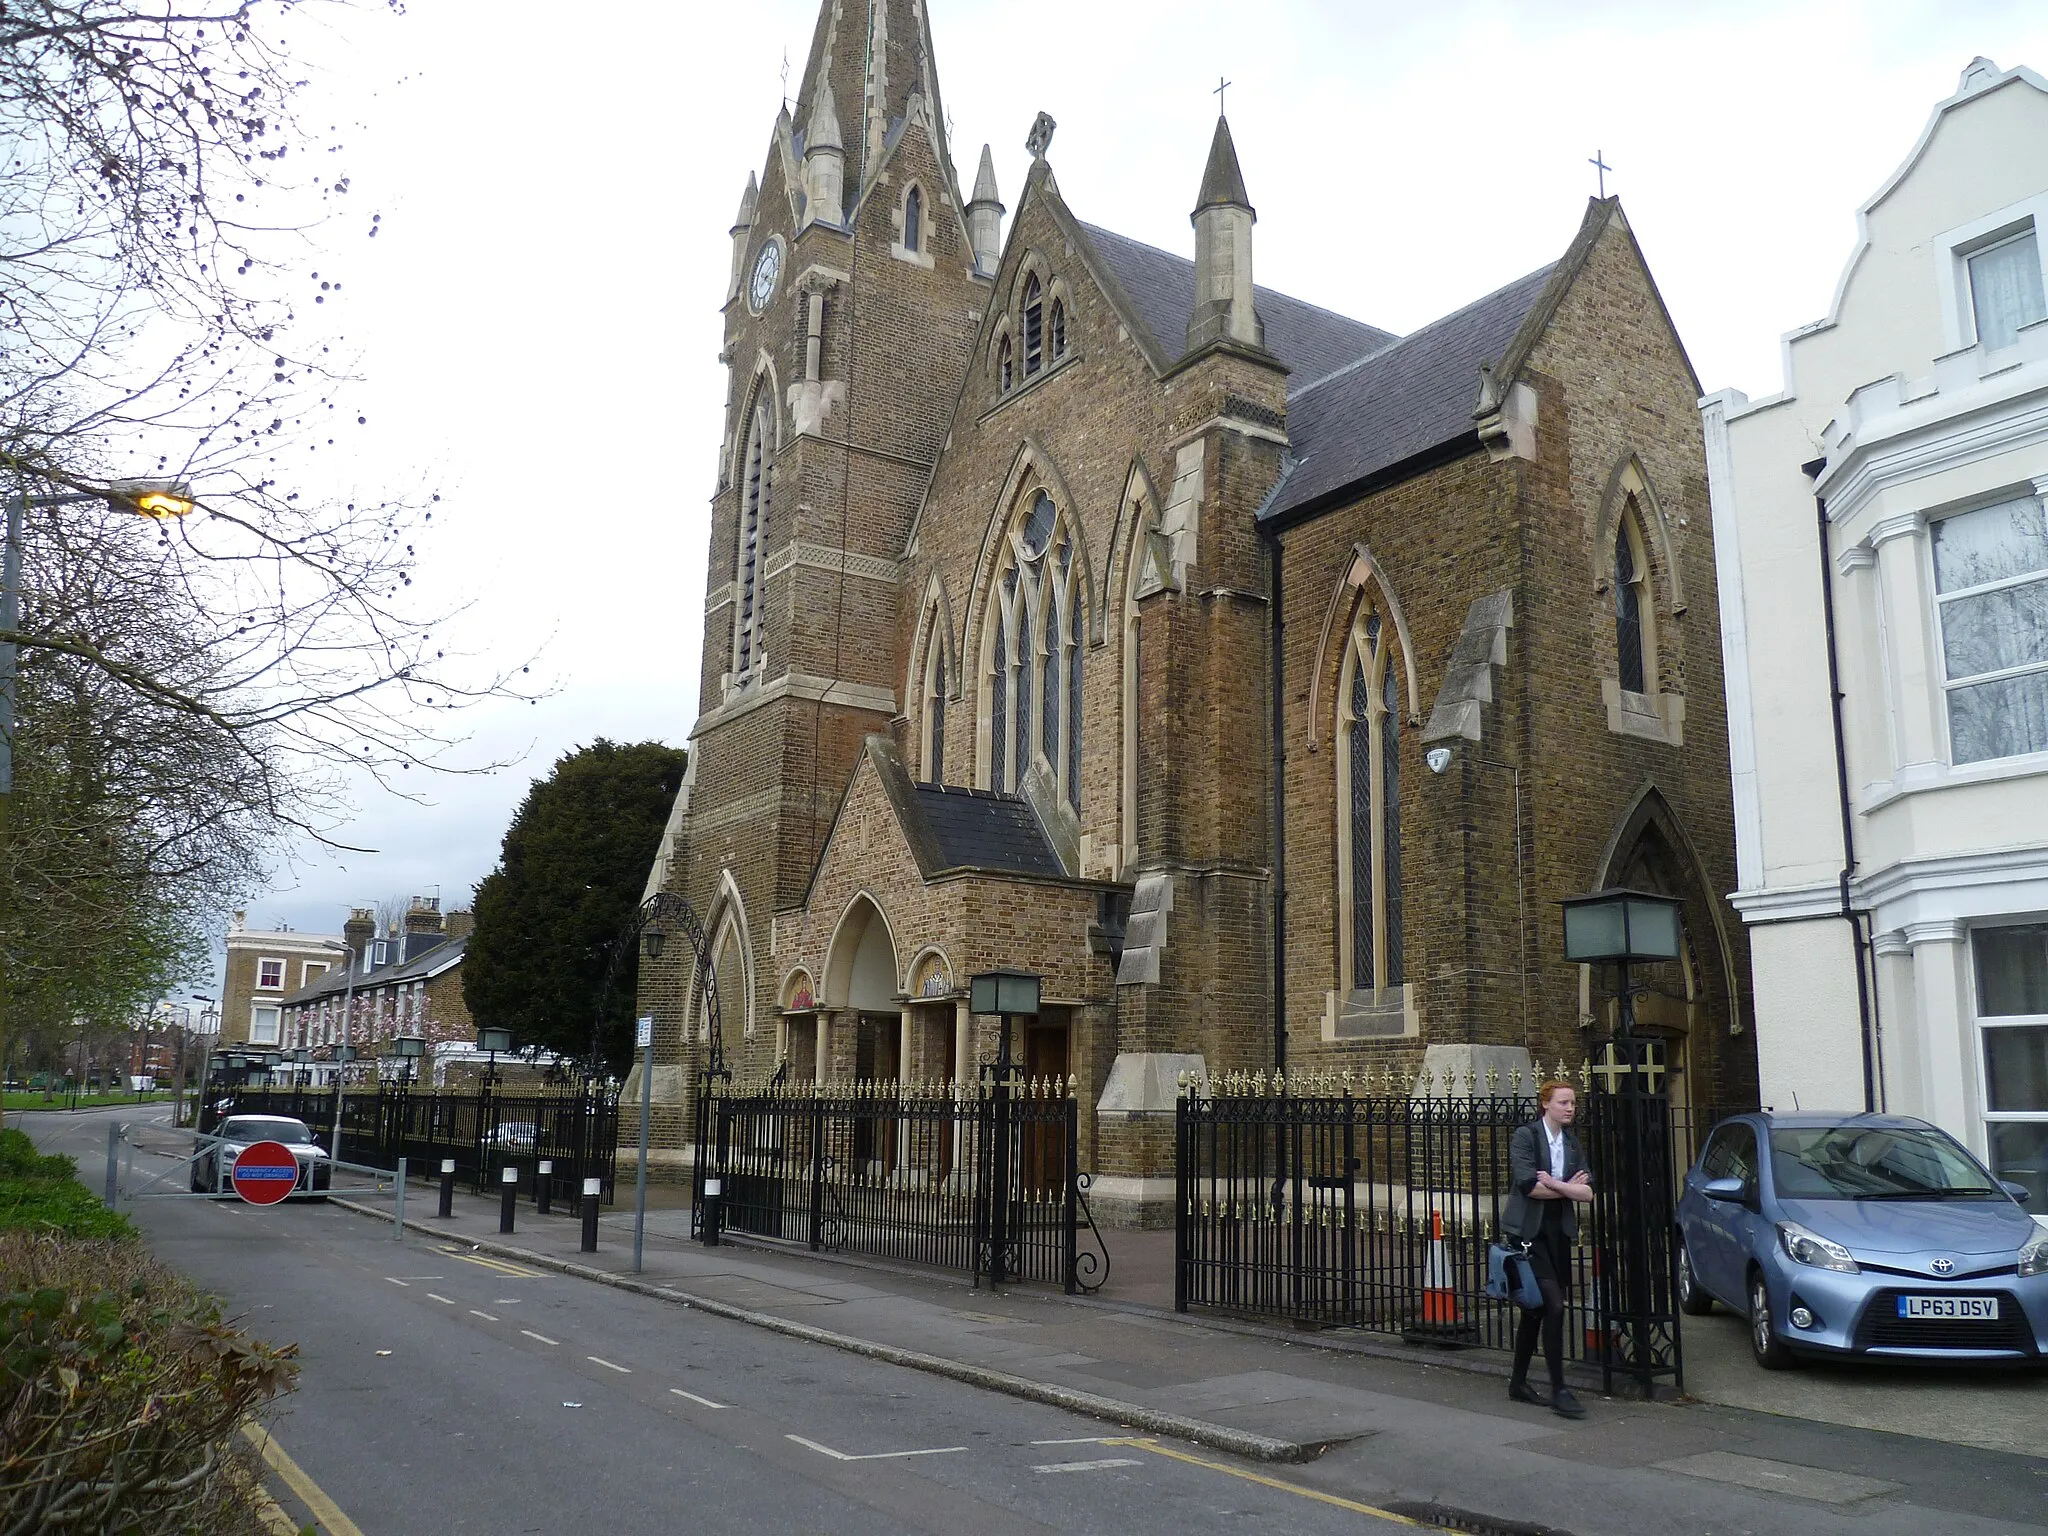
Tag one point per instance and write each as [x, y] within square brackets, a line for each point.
[1439, 1294]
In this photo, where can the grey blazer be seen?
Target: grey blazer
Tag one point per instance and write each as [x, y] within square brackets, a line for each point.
[1528, 1151]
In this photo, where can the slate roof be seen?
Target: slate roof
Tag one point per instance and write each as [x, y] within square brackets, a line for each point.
[1310, 341]
[335, 981]
[1402, 400]
[980, 829]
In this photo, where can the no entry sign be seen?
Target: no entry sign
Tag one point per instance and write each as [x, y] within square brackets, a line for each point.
[265, 1172]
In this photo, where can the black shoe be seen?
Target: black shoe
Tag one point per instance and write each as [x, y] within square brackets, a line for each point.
[1522, 1392]
[1562, 1401]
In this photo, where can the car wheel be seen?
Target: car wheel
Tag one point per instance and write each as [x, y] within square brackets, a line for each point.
[1764, 1343]
[1692, 1301]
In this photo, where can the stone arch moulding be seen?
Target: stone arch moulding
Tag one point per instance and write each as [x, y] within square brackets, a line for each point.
[1626, 479]
[926, 965]
[845, 946]
[1141, 500]
[1033, 260]
[799, 992]
[728, 916]
[933, 605]
[765, 384]
[1031, 461]
[1648, 806]
[1360, 571]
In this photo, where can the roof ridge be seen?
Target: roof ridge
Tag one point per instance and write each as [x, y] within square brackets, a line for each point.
[1398, 342]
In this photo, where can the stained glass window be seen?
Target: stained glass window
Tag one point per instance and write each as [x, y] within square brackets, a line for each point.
[1049, 685]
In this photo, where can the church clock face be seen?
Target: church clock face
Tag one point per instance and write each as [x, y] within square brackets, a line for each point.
[767, 268]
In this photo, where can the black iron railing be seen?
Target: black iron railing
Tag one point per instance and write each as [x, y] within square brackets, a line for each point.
[1364, 1206]
[955, 1175]
[482, 1132]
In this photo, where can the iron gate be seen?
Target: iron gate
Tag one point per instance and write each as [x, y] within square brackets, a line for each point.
[1364, 1205]
[972, 1177]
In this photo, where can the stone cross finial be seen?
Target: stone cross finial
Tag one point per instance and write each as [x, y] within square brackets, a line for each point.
[1040, 138]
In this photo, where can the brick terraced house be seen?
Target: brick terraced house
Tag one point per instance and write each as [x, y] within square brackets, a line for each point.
[1260, 678]
[406, 982]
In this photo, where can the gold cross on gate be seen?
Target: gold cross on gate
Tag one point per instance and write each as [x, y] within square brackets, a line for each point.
[1650, 1069]
[1611, 1068]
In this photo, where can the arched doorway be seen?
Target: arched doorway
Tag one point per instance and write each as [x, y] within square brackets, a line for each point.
[1687, 1010]
[861, 1034]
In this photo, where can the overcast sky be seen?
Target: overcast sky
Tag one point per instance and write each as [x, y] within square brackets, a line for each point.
[538, 320]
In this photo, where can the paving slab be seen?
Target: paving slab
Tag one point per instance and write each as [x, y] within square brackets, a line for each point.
[1816, 1483]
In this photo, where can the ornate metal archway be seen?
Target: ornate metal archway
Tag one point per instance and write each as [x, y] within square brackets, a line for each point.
[651, 923]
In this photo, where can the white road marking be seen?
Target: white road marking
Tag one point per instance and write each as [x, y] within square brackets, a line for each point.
[826, 1450]
[541, 1336]
[702, 1402]
[506, 1301]
[484, 1315]
[1079, 1440]
[623, 1370]
[436, 1296]
[1090, 1466]
[396, 1281]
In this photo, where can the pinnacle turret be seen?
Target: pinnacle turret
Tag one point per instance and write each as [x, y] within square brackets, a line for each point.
[985, 216]
[1223, 220]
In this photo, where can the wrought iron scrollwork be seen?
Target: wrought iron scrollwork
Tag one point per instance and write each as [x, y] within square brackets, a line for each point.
[1090, 1265]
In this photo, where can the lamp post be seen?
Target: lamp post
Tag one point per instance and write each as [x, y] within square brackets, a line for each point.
[410, 1049]
[1007, 994]
[493, 1041]
[1627, 927]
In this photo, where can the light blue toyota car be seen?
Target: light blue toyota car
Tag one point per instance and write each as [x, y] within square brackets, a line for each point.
[1872, 1236]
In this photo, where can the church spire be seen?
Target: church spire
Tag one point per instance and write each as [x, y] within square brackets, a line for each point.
[1223, 219]
[985, 216]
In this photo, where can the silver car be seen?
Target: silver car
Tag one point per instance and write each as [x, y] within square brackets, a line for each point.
[1861, 1235]
[213, 1170]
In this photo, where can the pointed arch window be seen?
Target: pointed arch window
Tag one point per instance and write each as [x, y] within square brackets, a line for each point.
[1631, 600]
[1005, 367]
[752, 540]
[1368, 738]
[1034, 326]
[1056, 328]
[1036, 655]
[935, 704]
[913, 219]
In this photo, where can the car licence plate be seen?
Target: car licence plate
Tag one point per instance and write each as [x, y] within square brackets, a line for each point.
[1969, 1309]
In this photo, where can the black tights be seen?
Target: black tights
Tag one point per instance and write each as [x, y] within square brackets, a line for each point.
[1550, 1318]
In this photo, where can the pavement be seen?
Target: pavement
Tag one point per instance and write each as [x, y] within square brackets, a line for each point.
[1356, 1417]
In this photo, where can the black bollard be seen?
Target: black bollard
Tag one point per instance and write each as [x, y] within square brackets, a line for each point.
[447, 1187]
[543, 1176]
[509, 1179]
[590, 1189]
[714, 1193]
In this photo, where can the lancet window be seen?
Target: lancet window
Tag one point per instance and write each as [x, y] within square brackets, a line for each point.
[752, 541]
[1631, 599]
[1035, 655]
[1368, 737]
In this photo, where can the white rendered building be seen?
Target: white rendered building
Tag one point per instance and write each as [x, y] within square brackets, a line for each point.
[1893, 856]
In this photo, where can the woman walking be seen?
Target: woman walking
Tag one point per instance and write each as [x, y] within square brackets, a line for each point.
[1550, 1183]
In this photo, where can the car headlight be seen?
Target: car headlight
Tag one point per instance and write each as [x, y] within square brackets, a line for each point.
[2034, 1258]
[1803, 1246]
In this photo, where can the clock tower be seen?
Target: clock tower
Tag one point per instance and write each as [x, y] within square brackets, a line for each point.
[855, 294]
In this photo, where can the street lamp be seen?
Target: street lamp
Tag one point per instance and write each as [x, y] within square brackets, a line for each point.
[1008, 993]
[1620, 926]
[493, 1041]
[410, 1049]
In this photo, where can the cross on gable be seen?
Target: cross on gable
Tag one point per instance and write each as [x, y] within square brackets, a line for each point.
[1222, 85]
[1600, 168]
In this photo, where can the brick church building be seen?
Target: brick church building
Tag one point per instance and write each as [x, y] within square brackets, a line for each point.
[1258, 677]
